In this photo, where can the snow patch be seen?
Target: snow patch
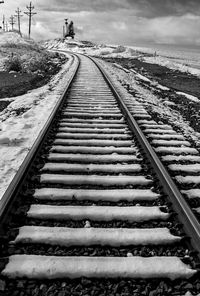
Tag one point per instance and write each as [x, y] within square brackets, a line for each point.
[162, 87]
[171, 64]
[13, 37]
[141, 77]
[192, 193]
[189, 97]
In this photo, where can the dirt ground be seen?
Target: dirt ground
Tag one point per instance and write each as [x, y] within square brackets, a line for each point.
[14, 84]
[176, 80]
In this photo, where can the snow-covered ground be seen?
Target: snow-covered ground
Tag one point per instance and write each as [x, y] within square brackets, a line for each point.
[184, 60]
[172, 64]
[100, 50]
[12, 37]
[9, 43]
[173, 60]
[18, 132]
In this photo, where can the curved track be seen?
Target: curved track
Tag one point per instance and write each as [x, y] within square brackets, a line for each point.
[92, 209]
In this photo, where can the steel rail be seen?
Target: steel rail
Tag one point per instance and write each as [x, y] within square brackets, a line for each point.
[15, 185]
[186, 216]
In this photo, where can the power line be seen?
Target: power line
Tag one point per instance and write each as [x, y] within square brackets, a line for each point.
[30, 13]
[12, 21]
[1, 2]
[3, 22]
[18, 15]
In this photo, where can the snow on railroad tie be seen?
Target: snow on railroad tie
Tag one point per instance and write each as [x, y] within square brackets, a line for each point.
[176, 150]
[156, 126]
[55, 267]
[143, 121]
[159, 131]
[97, 180]
[97, 213]
[171, 143]
[192, 193]
[144, 116]
[181, 158]
[94, 110]
[88, 158]
[93, 136]
[137, 112]
[187, 168]
[93, 121]
[93, 125]
[197, 210]
[112, 195]
[92, 168]
[102, 108]
[166, 137]
[95, 95]
[91, 115]
[92, 130]
[93, 150]
[91, 104]
[88, 142]
[188, 179]
[91, 99]
[115, 237]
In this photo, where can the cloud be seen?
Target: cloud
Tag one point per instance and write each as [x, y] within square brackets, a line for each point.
[120, 26]
[83, 5]
[142, 8]
[160, 8]
[176, 29]
[115, 21]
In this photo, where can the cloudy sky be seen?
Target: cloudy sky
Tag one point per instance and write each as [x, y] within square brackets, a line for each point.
[130, 22]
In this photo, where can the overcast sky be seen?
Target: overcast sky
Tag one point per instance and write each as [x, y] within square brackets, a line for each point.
[131, 22]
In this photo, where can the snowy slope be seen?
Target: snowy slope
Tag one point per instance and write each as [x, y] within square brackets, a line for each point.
[89, 48]
[12, 37]
[174, 65]
[113, 51]
[22, 121]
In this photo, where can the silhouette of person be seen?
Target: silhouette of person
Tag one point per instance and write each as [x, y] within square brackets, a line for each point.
[71, 30]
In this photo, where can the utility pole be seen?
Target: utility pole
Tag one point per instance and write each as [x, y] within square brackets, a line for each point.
[3, 22]
[30, 13]
[18, 15]
[12, 21]
[6, 26]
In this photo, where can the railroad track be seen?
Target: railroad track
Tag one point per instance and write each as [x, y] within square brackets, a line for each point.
[92, 210]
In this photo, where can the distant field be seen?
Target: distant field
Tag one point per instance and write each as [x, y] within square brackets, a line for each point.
[186, 56]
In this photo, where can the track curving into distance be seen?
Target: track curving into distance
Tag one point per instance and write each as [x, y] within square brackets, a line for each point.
[94, 212]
